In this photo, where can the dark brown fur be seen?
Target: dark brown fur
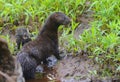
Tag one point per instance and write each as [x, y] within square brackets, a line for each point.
[6, 60]
[10, 69]
[43, 46]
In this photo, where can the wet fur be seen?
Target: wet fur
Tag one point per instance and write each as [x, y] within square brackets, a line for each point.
[10, 68]
[43, 46]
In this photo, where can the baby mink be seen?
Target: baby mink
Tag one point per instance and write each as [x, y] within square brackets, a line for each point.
[43, 46]
[22, 36]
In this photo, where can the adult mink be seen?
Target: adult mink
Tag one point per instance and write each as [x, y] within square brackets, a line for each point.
[46, 44]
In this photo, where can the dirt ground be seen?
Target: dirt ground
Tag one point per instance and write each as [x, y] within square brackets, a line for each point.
[75, 69]
[80, 69]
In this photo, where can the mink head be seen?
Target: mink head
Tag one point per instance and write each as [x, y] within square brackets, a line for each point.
[22, 31]
[60, 18]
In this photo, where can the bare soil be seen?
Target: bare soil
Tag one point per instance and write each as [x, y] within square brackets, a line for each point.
[75, 69]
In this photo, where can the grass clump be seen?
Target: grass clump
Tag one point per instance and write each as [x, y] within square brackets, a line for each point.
[26, 9]
[102, 40]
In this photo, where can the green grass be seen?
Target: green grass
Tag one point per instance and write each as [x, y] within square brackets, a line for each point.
[15, 9]
[101, 41]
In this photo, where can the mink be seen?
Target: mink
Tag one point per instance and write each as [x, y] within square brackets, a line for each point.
[10, 69]
[44, 45]
[22, 36]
